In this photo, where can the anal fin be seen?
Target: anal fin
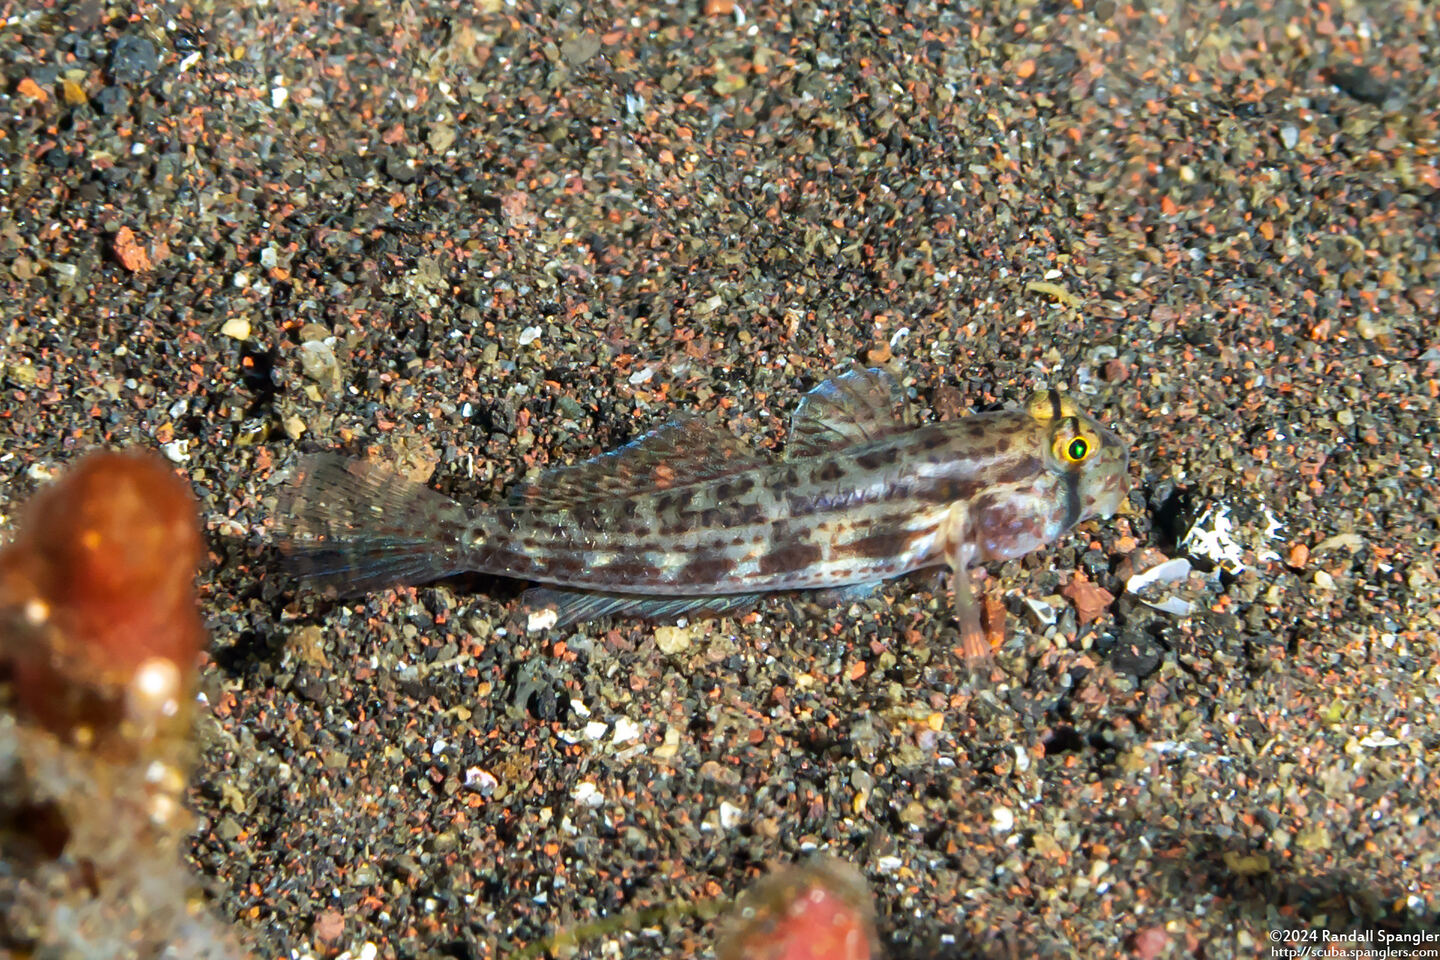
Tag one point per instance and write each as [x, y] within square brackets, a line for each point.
[577, 606]
[849, 593]
[832, 601]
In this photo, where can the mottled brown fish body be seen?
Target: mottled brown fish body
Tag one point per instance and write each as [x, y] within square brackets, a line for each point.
[686, 513]
[854, 515]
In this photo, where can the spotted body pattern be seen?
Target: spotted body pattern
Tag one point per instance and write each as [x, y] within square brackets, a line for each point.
[686, 518]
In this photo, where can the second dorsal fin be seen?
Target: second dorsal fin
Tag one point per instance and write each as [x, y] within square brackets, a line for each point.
[680, 453]
[850, 409]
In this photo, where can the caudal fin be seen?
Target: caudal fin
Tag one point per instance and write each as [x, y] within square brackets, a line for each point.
[350, 527]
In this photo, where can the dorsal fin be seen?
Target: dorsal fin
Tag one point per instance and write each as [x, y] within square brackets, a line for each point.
[680, 453]
[853, 408]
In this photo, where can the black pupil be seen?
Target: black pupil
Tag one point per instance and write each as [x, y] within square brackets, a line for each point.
[1078, 449]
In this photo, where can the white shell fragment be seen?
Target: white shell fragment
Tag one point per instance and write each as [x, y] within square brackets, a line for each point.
[1172, 605]
[1171, 571]
[1043, 613]
[1168, 572]
[481, 781]
[626, 730]
[1212, 537]
[586, 794]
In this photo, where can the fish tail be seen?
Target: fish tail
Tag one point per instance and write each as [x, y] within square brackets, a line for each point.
[350, 527]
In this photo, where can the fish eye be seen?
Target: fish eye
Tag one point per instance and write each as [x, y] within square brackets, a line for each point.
[1074, 448]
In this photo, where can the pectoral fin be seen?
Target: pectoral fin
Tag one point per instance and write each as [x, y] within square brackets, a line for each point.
[967, 611]
[955, 534]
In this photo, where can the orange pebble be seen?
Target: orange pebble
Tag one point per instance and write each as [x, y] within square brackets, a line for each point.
[29, 88]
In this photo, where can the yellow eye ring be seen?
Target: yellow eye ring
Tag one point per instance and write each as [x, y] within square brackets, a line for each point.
[1074, 448]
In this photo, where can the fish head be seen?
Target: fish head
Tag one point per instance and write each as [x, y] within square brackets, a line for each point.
[1091, 461]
